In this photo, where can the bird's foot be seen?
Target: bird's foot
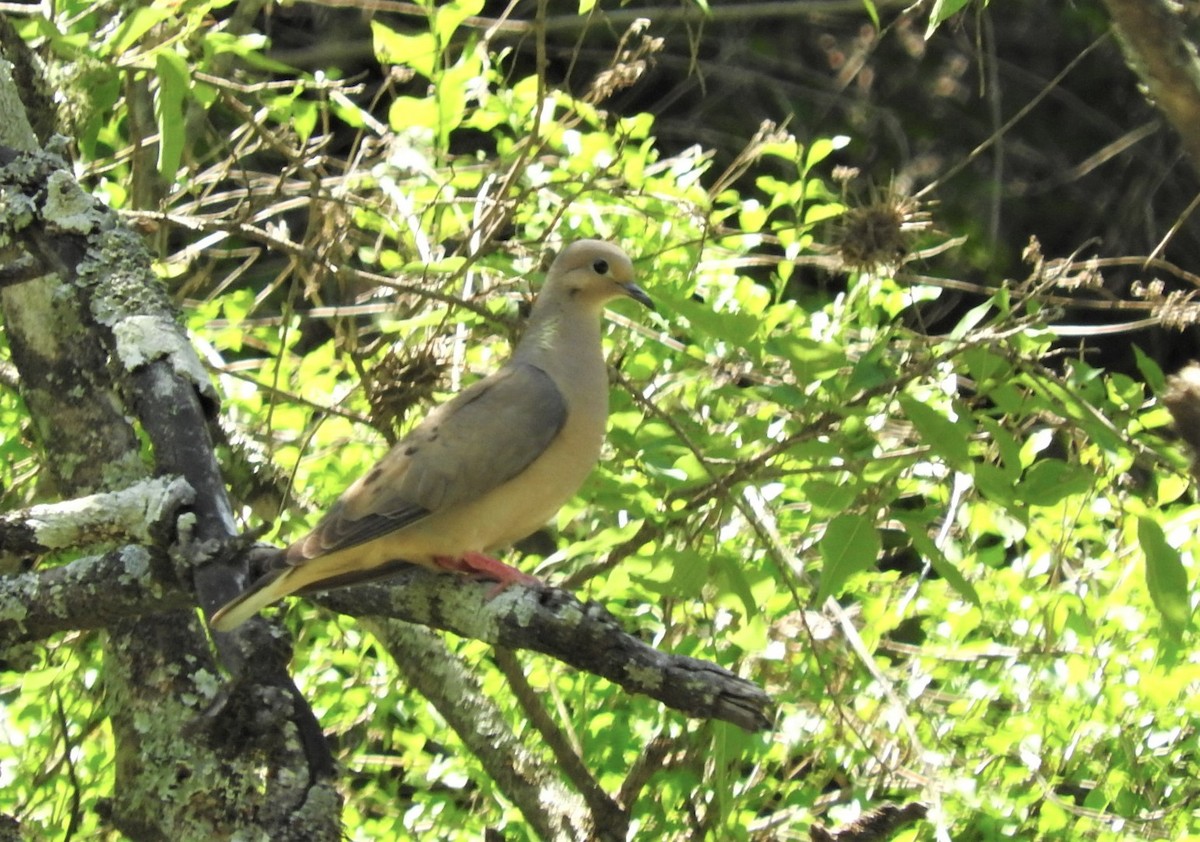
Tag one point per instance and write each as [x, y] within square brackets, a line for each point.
[487, 567]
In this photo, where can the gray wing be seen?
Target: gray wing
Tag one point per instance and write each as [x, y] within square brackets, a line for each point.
[477, 441]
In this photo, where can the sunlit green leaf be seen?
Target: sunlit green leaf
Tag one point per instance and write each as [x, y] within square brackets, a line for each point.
[1049, 480]
[942, 11]
[736, 328]
[140, 21]
[449, 16]
[1166, 578]
[173, 80]
[942, 565]
[418, 51]
[1150, 370]
[872, 12]
[850, 545]
[972, 319]
[407, 112]
[948, 438]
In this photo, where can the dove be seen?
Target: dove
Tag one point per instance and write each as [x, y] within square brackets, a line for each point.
[485, 469]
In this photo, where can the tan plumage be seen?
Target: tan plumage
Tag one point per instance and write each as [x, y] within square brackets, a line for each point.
[486, 468]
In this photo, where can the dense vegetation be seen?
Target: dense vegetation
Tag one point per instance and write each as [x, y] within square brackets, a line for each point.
[862, 455]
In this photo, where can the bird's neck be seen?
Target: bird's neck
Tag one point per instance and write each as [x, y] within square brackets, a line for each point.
[553, 327]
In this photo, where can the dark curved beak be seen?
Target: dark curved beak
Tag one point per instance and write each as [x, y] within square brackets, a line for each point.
[639, 295]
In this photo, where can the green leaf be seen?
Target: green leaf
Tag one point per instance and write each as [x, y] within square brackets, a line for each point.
[829, 498]
[247, 47]
[948, 439]
[850, 545]
[1166, 578]
[408, 112]
[752, 216]
[872, 12]
[136, 25]
[872, 369]
[994, 483]
[942, 11]
[972, 319]
[822, 148]
[303, 117]
[35, 680]
[1007, 447]
[937, 559]
[1151, 373]
[986, 367]
[736, 328]
[689, 574]
[729, 575]
[452, 98]
[1050, 480]
[173, 82]
[418, 51]
[450, 16]
[811, 360]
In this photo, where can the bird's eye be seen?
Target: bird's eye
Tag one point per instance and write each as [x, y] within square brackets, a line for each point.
[600, 267]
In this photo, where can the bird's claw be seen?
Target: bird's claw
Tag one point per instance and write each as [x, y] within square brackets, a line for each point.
[484, 566]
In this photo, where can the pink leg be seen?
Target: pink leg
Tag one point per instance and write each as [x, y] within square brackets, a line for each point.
[488, 568]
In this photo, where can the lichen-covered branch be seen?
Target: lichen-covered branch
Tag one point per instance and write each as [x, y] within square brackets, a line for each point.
[1157, 47]
[555, 623]
[89, 593]
[132, 514]
[99, 352]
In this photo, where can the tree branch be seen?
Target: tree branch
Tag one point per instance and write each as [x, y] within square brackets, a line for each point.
[1159, 51]
[129, 338]
[555, 623]
[133, 514]
[96, 591]
[89, 593]
[553, 811]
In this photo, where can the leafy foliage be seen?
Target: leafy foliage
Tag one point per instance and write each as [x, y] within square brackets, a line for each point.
[960, 562]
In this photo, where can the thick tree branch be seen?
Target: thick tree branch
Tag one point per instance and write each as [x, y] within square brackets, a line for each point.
[89, 593]
[136, 514]
[555, 623]
[550, 621]
[1158, 49]
[130, 358]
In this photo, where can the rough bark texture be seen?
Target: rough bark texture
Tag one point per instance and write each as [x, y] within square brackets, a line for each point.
[143, 513]
[95, 591]
[97, 346]
[555, 623]
[1158, 49]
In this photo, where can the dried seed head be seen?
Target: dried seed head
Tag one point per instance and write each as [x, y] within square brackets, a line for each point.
[880, 233]
[396, 384]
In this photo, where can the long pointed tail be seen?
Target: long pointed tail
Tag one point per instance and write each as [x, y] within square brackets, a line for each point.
[263, 592]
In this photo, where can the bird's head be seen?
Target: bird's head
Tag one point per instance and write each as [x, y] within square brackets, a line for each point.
[592, 273]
